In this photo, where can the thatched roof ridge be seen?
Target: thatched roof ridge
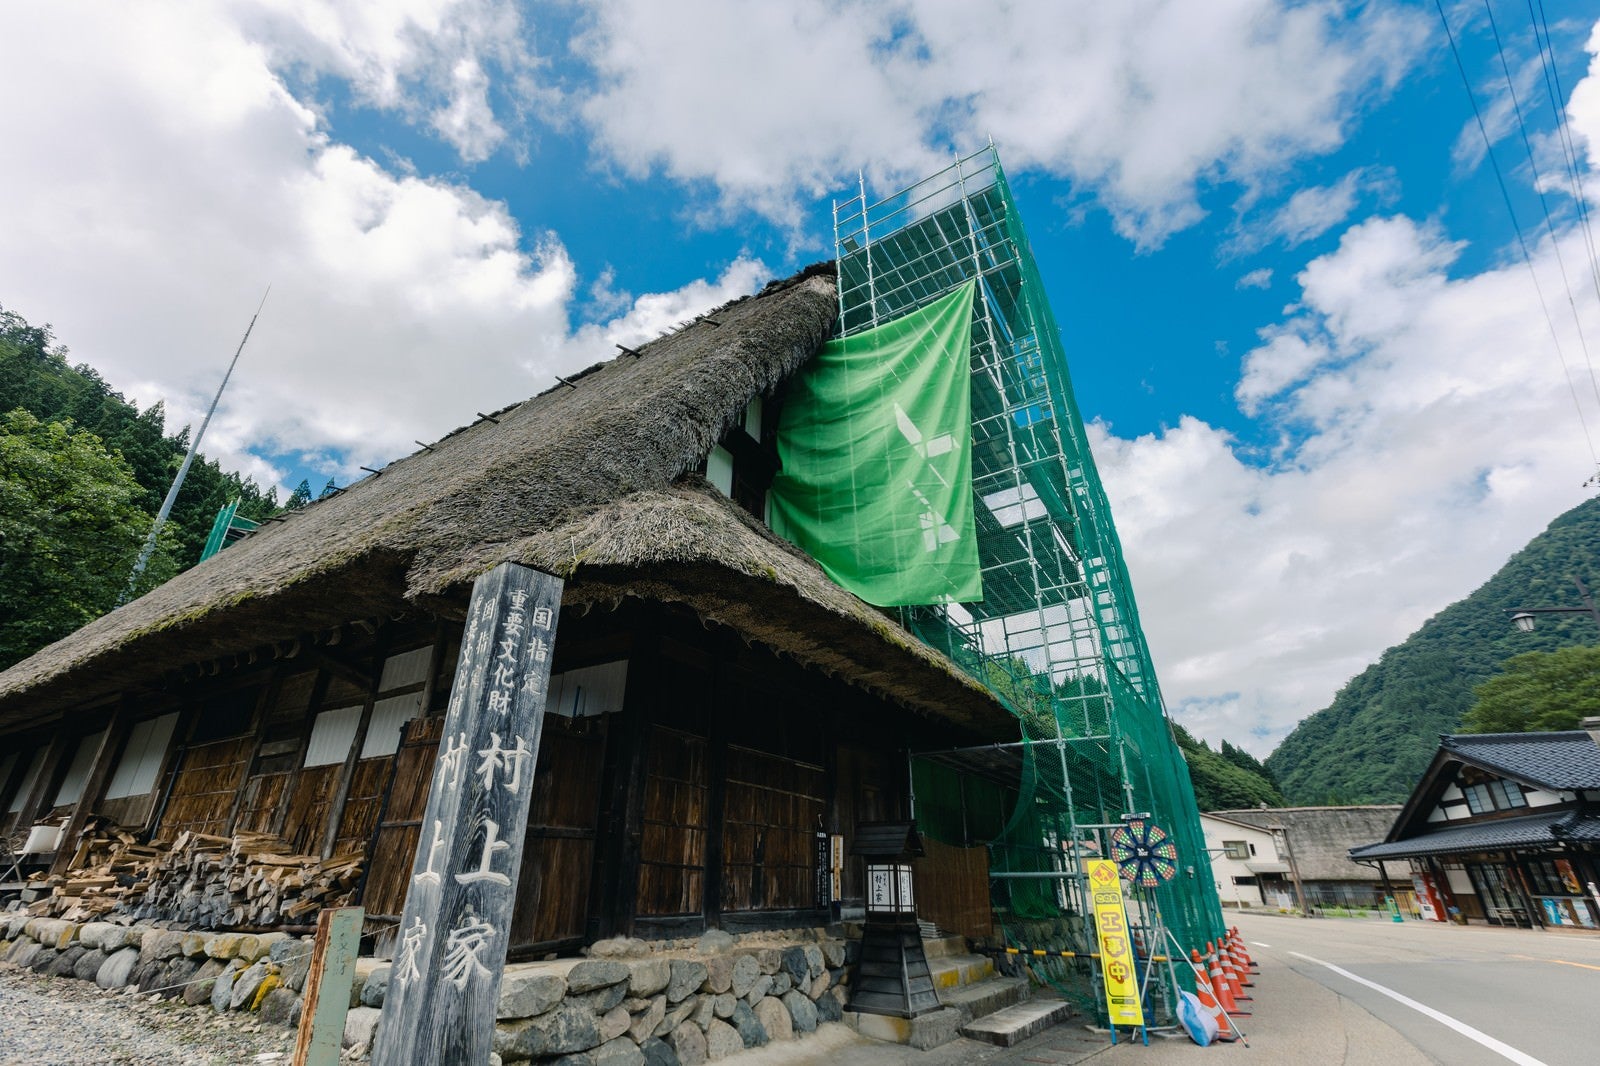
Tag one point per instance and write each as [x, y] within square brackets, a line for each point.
[632, 423]
[586, 481]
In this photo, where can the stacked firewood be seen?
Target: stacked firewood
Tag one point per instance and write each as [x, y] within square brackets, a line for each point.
[202, 881]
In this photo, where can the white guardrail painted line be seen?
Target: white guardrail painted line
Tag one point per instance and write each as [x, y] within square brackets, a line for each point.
[1522, 1058]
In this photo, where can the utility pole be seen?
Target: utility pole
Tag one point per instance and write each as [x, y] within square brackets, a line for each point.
[183, 471]
[1294, 869]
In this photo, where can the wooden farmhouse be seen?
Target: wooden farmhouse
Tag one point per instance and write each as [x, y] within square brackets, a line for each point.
[719, 710]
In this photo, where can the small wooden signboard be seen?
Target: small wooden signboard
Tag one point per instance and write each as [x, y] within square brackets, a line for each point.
[444, 982]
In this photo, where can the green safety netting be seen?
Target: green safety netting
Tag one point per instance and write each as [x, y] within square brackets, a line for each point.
[876, 457]
[1055, 633]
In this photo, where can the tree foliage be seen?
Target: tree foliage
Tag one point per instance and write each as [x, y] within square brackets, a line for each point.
[85, 470]
[70, 527]
[35, 376]
[1226, 780]
[1538, 691]
[1371, 744]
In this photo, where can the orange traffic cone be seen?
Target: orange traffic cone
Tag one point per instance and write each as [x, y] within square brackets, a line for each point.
[1219, 983]
[1240, 967]
[1208, 998]
[1244, 952]
[1230, 973]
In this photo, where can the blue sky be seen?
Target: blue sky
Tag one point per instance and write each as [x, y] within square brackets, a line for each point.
[1326, 399]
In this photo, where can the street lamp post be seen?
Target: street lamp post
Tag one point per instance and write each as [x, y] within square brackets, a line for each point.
[1524, 617]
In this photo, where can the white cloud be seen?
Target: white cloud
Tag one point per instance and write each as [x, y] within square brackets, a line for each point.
[1583, 116]
[1259, 278]
[1141, 101]
[429, 60]
[172, 176]
[1430, 434]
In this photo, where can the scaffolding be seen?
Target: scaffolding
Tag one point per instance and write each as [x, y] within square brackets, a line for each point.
[1056, 635]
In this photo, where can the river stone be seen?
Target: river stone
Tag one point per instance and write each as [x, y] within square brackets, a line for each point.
[649, 976]
[376, 988]
[770, 959]
[616, 1052]
[115, 970]
[795, 964]
[619, 947]
[223, 945]
[245, 985]
[828, 1008]
[601, 1000]
[64, 963]
[526, 993]
[758, 991]
[644, 1024]
[89, 964]
[722, 1006]
[719, 974]
[92, 932]
[147, 975]
[132, 937]
[705, 1012]
[780, 984]
[658, 1052]
[722, 1040]
[676, 1015]
[168, 945]
[613, 1024]
[775, 1020]
[175, 975]
[265, 942]
[802, 1010]
[690, 1044]
[743, 975]
[250, 948]
[714, 942]
[814, 960]
[193, 943]
[22, 953]
[294, 962]
[359, 1025]
[559, 1031]
[222, 990]
[819, 984]
[200, 985]
[833, 953]
[45, 959]
[687, 977]
[744, 1022]
[279, 1006]
[595, 973]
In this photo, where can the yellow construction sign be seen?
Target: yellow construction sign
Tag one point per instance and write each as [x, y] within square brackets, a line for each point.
[1116, 945]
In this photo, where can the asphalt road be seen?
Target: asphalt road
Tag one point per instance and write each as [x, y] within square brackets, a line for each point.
[1358, 992]
[1496, 995]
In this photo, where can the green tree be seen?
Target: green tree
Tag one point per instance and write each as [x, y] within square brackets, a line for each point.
[70, 528]
[1537, 692]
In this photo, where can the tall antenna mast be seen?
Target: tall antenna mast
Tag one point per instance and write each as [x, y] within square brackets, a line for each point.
[183, 471]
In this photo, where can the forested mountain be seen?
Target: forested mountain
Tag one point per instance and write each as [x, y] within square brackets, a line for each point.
[1372, 743]
[1228, 779]
[82, 474]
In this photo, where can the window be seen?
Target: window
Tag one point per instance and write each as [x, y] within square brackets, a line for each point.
[1494, 795]
[1236, 849]
[78, 772]
[331, 736]
[142, 757]
[719, 470]
[29, 779]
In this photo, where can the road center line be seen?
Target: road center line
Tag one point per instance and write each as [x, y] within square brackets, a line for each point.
[1260, 944]
[1498, 1047]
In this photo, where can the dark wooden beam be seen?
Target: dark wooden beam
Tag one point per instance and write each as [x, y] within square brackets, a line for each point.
[338, 667]
[347, 773]
[616, 880]
[319, 692]
[105, 758]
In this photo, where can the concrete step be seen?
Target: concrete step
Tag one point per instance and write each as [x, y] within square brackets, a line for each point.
[1007, 1027]
[985, 997]
[944, 946]
[953, 971]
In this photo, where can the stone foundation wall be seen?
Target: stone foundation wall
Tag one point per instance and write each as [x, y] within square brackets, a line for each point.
[631, 1002]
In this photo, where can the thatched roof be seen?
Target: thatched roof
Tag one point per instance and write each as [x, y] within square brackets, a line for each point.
[593, 481]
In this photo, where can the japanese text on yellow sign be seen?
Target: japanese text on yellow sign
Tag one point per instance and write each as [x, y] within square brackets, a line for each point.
[1116, 945]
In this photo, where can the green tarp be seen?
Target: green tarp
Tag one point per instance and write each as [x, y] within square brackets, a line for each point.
[876, 444]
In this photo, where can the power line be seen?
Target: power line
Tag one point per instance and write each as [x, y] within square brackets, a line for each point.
[1544, 204]
[1516, 227]
[1569, 149]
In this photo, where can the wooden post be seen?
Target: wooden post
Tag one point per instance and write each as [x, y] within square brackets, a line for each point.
[444, 983]
[327, 992]
[99, 776]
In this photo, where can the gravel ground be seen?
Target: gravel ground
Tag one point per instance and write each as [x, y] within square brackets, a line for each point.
[52, 1021]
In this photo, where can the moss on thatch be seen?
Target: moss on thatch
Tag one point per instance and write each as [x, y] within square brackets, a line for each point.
[581, 480]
